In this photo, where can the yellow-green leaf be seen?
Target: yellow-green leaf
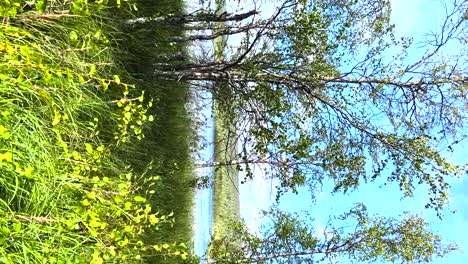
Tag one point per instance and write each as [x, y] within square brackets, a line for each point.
[116, 79]
[89, 148]
[91, 195]
[94, 223]
[8, 156]
[139, 199]
[92, 70]
[56, 119]
[153, 219]
[73, 36]
[17, 227]
[85, 202]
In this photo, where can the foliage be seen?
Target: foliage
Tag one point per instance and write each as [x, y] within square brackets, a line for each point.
[289, 238]
[66, 110]
[358, 103]
[167, 140]
[225, 179]
[320, 102]
[324, 90]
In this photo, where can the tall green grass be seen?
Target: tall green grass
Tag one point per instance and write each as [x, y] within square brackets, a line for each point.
[167, 141]
[70, 121]
[226, 204]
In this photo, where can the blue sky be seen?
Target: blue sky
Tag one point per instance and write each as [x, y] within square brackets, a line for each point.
[412, 18]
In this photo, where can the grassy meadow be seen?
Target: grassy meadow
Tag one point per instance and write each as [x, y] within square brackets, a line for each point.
[94, 156]
[226, 178]
[167, 140]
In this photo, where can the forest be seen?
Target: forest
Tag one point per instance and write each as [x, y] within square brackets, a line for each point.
[101, 125]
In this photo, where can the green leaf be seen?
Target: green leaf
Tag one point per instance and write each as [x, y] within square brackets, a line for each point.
[4, 230]
[157, 248]
[73, 36]
[153, 219]
[28, 171]
[17, 227]
[41, 6]
[123, 243]
[94, 223]
[139, 199]
[104, 84]
[85, 202]
[6, 135]
[8, 156]
[89, 148]
[91, 195]
[56, 119]
[116, 79]
[92, 70]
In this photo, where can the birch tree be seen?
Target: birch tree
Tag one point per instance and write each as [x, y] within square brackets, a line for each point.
[355, 235]
[326, 90]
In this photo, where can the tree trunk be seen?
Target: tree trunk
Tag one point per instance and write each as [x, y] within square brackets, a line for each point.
[223, 17]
